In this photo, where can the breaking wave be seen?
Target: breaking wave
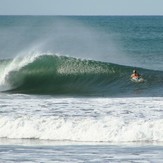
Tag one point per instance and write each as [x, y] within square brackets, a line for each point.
[53, 74]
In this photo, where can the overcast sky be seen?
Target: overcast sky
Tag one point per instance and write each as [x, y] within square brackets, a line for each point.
[81, 7]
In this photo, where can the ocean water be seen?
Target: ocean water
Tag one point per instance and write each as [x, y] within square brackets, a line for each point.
[66, 93]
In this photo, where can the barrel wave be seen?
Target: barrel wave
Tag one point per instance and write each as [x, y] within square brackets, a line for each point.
[63, 75]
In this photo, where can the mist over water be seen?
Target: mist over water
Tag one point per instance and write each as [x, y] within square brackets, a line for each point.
[123, 40]
[72, 36]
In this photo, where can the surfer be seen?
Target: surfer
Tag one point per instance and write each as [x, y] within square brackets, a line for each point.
[135, 75]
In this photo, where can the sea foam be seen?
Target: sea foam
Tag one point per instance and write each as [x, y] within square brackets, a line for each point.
[85, 120]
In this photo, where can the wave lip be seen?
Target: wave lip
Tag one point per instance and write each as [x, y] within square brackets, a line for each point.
[9, 66]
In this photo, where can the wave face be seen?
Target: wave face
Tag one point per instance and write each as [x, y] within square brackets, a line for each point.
[52, 74]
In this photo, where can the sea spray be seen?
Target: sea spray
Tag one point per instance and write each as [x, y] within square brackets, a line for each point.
[13, 65]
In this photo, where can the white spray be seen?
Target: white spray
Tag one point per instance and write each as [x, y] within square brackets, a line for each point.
[15, 65]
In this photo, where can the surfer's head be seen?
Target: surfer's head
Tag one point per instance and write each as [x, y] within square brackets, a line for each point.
[134, 71]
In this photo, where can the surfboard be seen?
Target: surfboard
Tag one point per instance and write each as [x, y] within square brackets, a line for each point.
[137, 80]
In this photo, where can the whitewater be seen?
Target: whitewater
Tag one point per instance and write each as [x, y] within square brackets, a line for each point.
[66, 93]
[71, 129]
[81, 119]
